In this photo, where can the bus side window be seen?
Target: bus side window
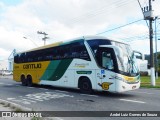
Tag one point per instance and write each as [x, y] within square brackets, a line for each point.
[16, 58]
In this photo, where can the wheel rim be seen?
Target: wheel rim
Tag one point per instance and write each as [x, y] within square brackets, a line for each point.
[85, 86]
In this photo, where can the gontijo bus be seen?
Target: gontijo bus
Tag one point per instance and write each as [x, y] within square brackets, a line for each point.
[88, 63]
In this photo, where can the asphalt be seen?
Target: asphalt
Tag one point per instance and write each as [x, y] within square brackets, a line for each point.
[6, 105]
[138, 100]
[10, 107]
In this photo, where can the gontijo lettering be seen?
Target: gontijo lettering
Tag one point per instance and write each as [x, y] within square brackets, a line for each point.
[32, 66]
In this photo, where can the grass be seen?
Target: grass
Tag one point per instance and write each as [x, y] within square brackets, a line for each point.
[36, 118]
[7, 105]
[18, 110]
[145, 82]
[2, 103]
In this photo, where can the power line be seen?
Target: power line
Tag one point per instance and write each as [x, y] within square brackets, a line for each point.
[94, 13]
[140, 36]
[137, 37]
[119, 27]
[134, 37]
[142, 12]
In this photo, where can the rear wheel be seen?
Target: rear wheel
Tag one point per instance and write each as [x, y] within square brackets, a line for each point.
[85, 86]
[23, 80]
[29, 81]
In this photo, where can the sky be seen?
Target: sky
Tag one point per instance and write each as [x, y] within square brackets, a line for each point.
[66, 19]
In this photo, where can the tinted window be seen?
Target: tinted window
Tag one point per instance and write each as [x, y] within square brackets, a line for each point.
[94, 44]
[67, 51]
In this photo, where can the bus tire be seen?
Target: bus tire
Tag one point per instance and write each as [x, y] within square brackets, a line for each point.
[29, 81]
[85, 85]
[23, 80]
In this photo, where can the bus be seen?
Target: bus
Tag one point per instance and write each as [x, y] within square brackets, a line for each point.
[142, 63]
[88, 63]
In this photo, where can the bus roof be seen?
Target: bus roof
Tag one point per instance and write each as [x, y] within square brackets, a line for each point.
[102, 37]
[70, 41]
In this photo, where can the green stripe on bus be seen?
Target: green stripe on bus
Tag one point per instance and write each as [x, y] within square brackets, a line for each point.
[50, 69]
[56, 69]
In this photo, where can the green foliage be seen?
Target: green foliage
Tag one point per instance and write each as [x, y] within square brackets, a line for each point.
[145, 82]
[36, 118]
[158, 56]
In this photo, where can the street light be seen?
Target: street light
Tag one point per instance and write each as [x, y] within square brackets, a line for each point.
[31, 41]
[156, 46]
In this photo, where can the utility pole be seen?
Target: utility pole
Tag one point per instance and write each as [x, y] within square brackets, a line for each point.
[148, 15]
[156, 60]
[45, 34]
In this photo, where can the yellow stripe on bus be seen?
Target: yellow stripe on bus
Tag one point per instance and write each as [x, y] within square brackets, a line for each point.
[36, 69]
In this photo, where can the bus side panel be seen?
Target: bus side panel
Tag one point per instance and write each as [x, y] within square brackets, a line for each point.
[16, 76]
[89, 73]
[82, 68]
[105, 80]
[58, 73]
[68, 79]
[35, 69]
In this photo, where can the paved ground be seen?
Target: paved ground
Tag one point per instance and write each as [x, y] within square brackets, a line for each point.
[2, 108]
[45, 98]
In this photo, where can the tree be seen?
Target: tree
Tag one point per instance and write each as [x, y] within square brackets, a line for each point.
[158, 57]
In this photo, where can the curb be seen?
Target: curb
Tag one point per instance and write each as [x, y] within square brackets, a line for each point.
[23, 108]
[149, 88]
[12, 105]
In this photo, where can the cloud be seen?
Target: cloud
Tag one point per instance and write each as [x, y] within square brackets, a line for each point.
[1, 5]
[65, 19]
[4, 54]
[12, 39]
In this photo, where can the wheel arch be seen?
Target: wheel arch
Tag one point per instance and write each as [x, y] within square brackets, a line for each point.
[29, 76]
[22, 76]
[82, 78]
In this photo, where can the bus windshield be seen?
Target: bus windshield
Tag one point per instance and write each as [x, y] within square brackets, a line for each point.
[127, 61]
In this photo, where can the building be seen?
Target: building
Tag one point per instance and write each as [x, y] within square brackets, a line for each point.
[142, 63]
[11, 60]
[3, 65]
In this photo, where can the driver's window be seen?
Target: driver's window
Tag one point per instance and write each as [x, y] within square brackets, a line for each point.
[107, 61]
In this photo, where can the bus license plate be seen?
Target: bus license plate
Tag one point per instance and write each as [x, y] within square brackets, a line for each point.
[133, 87]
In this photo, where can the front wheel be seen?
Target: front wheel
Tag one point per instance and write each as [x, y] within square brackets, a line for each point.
[85, 86]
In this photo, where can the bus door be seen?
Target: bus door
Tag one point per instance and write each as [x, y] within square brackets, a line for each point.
[107, 62]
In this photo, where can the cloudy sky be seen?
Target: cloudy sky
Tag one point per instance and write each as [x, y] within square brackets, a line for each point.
[67, 19]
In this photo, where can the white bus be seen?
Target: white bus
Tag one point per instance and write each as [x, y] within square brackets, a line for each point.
[142, 63]
[87, 63]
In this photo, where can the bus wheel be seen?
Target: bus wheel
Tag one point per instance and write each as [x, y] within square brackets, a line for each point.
[23, 80]
[85, 86]
[29, 81]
